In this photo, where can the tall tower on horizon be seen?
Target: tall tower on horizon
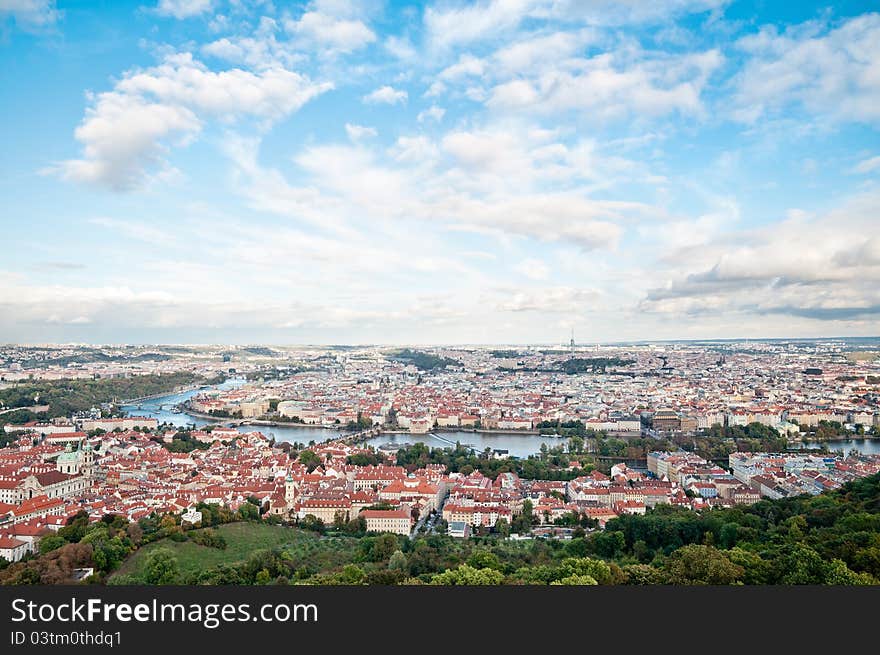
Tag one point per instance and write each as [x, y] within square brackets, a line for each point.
[571, 343]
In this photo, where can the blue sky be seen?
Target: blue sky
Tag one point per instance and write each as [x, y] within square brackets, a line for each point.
[503, 171]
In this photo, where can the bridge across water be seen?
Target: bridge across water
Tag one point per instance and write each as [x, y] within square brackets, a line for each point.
[357, 437]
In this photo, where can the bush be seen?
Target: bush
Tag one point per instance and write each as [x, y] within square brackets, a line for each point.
[209, 538]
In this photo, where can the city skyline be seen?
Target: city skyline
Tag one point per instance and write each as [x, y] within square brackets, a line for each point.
[579, 346]
[497, 172]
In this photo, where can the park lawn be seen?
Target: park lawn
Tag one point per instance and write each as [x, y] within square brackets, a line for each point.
[242, 540]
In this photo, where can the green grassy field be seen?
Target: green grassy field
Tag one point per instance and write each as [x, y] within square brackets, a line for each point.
[242, 539]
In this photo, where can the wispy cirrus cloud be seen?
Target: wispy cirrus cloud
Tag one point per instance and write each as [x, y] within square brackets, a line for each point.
[30, 15]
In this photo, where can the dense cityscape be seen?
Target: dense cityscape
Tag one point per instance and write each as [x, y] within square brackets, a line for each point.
[312, 310]
[178, 436]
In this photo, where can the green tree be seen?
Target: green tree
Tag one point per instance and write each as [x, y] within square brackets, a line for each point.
[502, 528]
[249, 512]
[383, 547]
[642, 574]
[467, 575]
[161, 567]
[522, 524]
[484, 559]
[595, 569]
[352, 575]
[584, 580]
[51, 542]
[697, 564]
[608, 544]
[840, 574]
[309, 459]
[398, 562]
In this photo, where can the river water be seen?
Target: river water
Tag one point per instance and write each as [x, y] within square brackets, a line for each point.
[864, 446]
[161, 408]
[518, 445]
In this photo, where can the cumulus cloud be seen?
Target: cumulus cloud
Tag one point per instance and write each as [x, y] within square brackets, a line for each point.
[259, 50]
[386, 95]
[401, 47]
[826, 266]
[540, 52]
[332, 26]
[358, 132]
[433, 113]
[127, 131]
[181, 9]
[831, 71]
[467, 65]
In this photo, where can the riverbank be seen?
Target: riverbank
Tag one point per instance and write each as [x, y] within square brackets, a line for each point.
[441, 430]
[530, 433]
[163, 394]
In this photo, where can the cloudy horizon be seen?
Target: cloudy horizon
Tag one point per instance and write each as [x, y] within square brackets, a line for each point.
[379, 172]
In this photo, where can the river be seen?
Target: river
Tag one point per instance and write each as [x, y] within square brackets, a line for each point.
[518, 445]
[160, 408]
[864, 446]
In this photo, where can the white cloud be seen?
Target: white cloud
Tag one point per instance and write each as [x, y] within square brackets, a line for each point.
[625, 12]
[534, 269]
[414, 150]
[136, 230]
[565, 300]
[867, 166]
[434, 113]
[127, 131]
[30, 14]
[324, 27]
[610, 89]
[467, 65]
[260, 50]
[529, 54]
[437, 88]
[358, 132]
[386, 95]
[181, 9]
[123, 136]
[778, 269]
[833, 72]
[464, 23]
[401, 47]
[485, 182]
[467, 23]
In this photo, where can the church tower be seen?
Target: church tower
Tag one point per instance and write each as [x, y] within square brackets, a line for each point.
[289, 491]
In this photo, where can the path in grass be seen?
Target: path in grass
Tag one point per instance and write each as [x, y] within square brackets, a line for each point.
[242, 539]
